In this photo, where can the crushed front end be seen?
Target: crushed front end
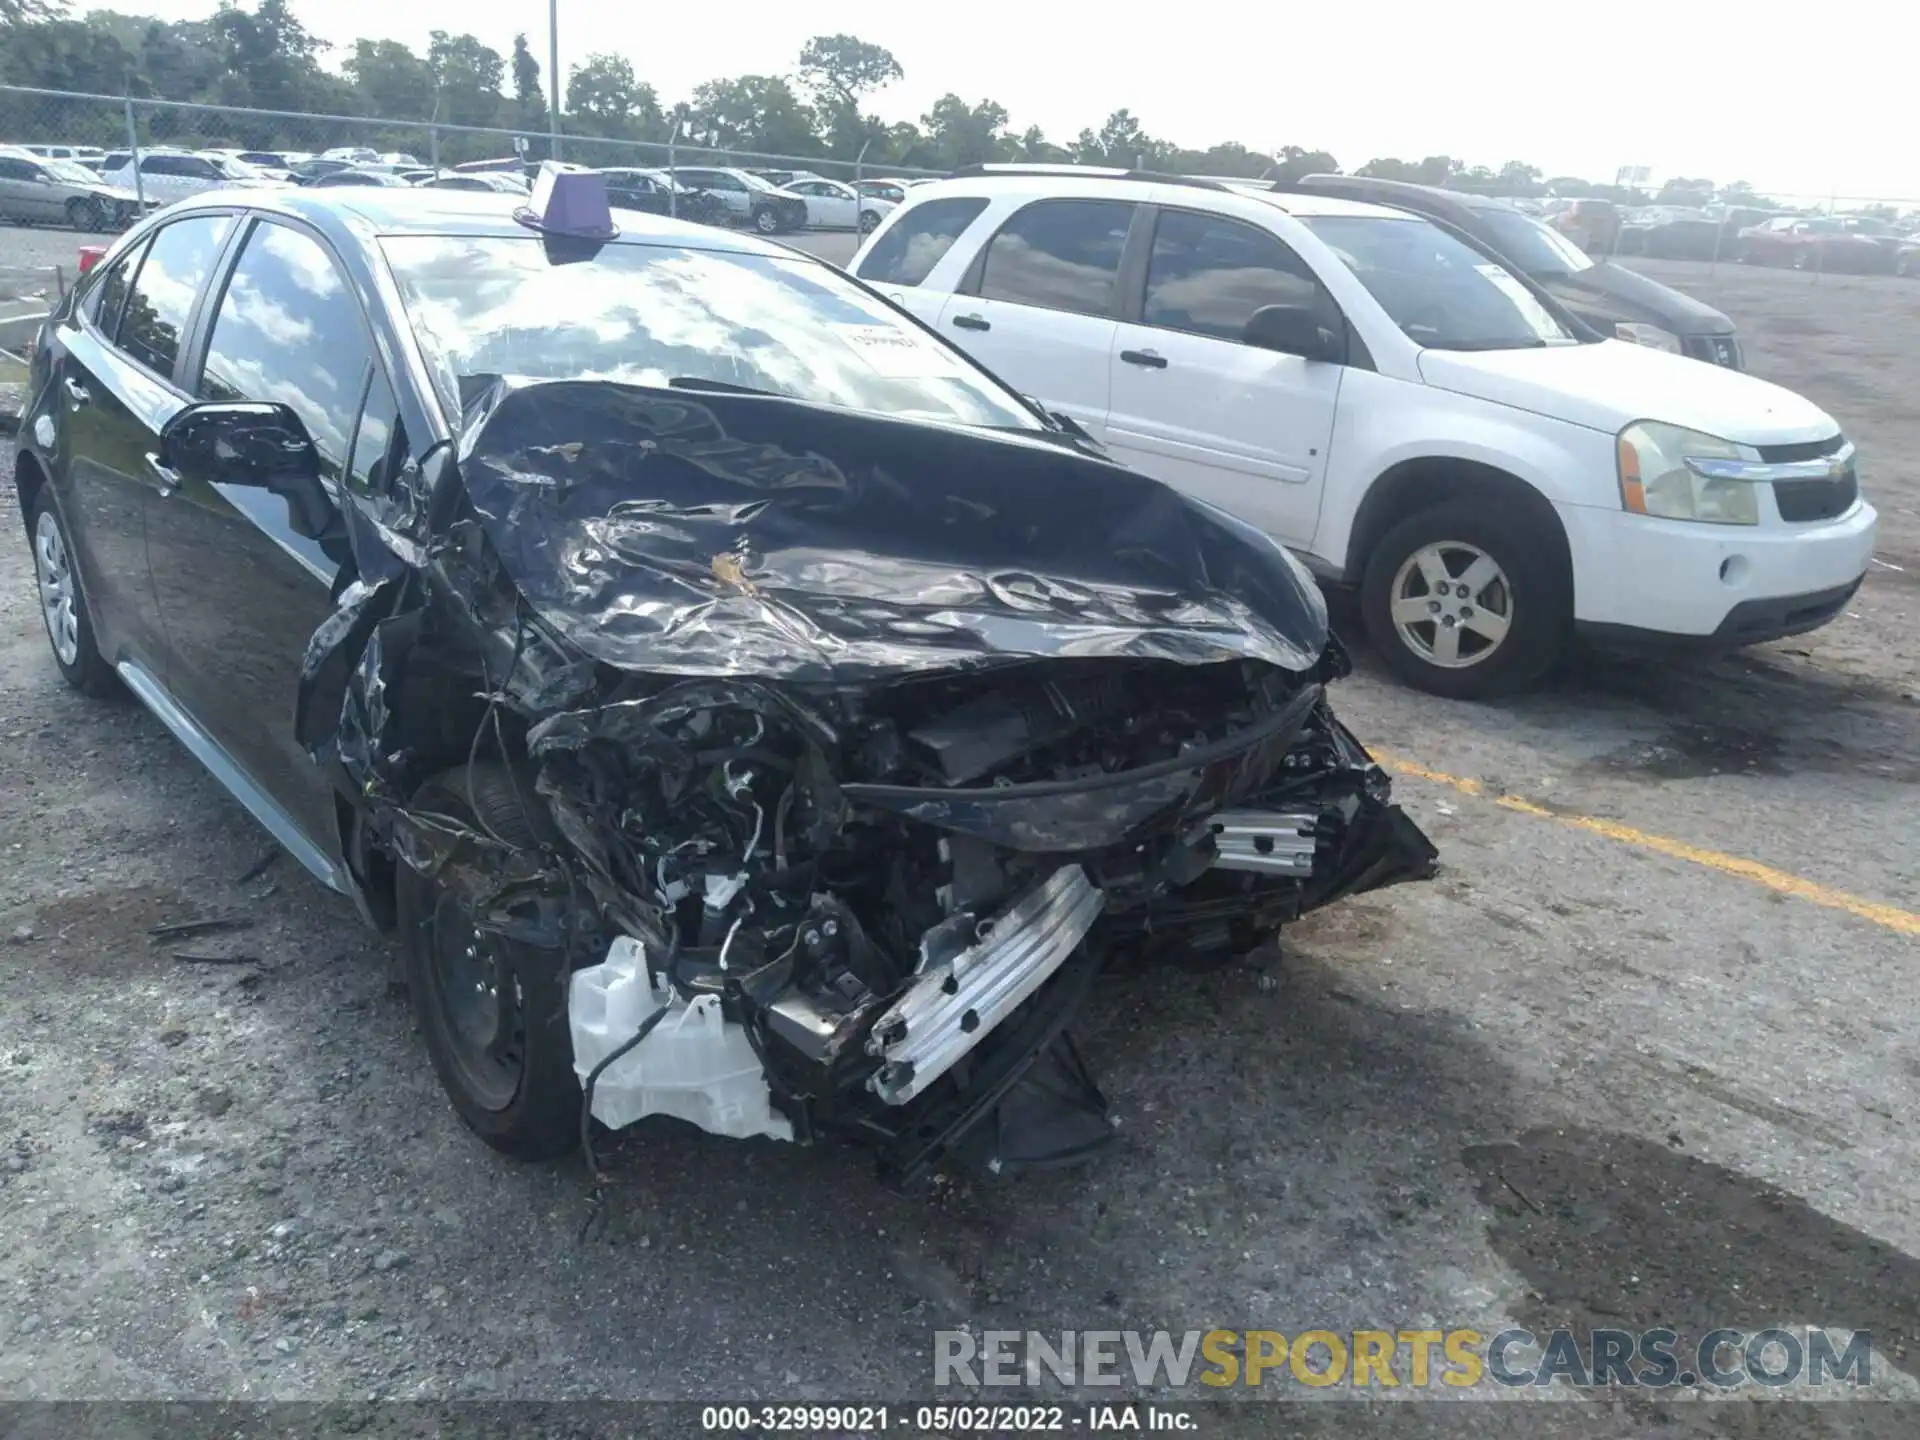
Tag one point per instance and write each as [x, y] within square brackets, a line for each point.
[860, 748]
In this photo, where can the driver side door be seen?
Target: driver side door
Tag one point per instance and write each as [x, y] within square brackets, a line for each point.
[241, 591]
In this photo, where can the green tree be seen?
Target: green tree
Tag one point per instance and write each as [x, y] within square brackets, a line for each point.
[1122, 141]
[962, 134]
[1294, 163]
[272, 53]
[390, 80]
[754, 112]
[1517, 178]
[1033, 145]
[28, 12]
[604, 99]
[466, 78]
[840, 71]
[529, 101]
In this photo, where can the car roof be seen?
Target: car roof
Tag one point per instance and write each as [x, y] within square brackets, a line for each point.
[363, 211]
[1412, 192]
[1063, 180]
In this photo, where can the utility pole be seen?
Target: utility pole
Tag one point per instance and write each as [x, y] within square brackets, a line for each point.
[553, 78]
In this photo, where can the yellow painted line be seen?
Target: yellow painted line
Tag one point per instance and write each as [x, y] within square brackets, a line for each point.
[1903, 922]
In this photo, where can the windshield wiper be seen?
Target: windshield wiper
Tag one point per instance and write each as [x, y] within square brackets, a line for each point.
[1530, 343]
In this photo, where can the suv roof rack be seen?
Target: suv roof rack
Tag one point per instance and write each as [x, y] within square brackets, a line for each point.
[1092, 172]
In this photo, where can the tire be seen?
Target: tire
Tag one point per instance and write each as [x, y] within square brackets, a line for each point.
[766, 222]
[869, 221]
[84, 214]
[517, 1091]
[1532, 594]
[63, 608]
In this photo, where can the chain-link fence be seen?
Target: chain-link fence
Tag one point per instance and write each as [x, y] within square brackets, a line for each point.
[118, 127]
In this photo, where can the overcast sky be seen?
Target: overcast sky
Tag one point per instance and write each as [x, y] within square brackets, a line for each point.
[1810, 99]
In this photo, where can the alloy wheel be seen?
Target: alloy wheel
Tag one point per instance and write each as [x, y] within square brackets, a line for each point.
[1452, 604]
[58, 598]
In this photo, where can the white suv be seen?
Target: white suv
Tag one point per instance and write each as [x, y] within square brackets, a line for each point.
[1399, 407]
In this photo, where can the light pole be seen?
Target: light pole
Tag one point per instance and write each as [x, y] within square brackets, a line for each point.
[553, 78]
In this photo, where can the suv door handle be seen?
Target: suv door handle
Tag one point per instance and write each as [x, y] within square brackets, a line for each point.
[164, 476]
[1151, 359]
[78, 393]
[972, 322]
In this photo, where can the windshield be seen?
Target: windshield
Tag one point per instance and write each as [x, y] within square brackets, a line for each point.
[1444, 294]
[754, 182]
[71, 171]
[1537, 249]
[234, 168]
[649, 314]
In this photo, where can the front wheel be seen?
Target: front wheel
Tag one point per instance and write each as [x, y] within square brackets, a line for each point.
[493, 1011]
[1467, 602]
[85, 214]
[766, 222]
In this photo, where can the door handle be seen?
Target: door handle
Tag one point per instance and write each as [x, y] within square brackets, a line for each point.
[78, 393]
[1150, 359]
[972, 322]
[164, 476]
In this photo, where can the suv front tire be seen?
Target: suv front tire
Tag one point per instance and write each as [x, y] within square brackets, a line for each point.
[1467, 602]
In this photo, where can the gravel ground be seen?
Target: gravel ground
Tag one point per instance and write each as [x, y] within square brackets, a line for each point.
[1575, 1080]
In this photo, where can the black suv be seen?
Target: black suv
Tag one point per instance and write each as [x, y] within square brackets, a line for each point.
[1614, 300]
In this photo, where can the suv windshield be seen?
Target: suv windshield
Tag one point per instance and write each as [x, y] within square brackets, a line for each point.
[1537, 249]
[650, 315]
[1444, 294]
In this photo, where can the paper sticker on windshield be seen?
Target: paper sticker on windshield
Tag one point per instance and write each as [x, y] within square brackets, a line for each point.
[897, 354]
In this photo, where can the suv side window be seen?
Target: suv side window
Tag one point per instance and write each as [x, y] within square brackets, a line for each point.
[175, 269]
[289, 329]
[918, 241]
[1059, 254]
[1207, 274]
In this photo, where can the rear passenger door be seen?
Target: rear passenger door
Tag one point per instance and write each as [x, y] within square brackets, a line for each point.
[1244, 428]
[241, 590]
[23, 194]
[1038, 305]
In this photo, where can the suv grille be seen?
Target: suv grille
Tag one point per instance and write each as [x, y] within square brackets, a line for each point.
[1801, 501]
[1804, 450]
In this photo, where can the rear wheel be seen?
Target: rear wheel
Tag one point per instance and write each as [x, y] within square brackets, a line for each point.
[766, 222]
[62, 606]
[869, 220]
[493, 1011]
[1466, 601]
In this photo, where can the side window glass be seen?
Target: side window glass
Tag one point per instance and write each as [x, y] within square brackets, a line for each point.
[288, 329]
[177, 265]
[907, 253]
[1207, 274]
[11, 169]
[110, 295]
[199, 169]
[379, 442]
[1059, 254]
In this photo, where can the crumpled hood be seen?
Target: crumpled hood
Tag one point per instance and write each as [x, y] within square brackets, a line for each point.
[1612, 384]
[685, 532]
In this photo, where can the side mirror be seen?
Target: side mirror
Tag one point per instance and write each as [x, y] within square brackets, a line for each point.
[1294, 330]
[252, 442]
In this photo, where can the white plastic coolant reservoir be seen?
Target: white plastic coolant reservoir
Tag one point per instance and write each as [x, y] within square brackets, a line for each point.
[696, 1064]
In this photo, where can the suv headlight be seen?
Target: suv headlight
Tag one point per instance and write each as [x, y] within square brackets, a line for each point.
[1655, 478]
[1651, 336]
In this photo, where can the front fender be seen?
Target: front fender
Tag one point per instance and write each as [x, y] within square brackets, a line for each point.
[1384, 423]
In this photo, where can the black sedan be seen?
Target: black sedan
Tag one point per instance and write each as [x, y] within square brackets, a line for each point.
[740, 706]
